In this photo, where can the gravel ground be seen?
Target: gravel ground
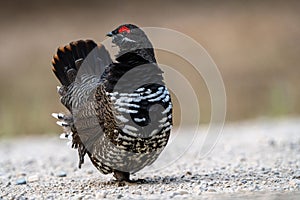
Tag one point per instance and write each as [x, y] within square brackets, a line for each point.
[255, 159]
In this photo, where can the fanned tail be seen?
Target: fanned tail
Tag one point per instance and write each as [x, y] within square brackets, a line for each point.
[68, 59]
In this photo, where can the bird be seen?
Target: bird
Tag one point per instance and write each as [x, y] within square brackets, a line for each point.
[118, 111]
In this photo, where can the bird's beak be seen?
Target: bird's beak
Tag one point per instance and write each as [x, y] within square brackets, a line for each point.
[109, 34]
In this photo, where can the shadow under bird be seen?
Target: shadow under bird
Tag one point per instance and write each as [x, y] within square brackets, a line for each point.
[120, 112]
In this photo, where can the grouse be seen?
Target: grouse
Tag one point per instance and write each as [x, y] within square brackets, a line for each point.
[119, 112]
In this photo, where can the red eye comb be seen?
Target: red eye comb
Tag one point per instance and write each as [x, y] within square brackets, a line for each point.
[124, 29]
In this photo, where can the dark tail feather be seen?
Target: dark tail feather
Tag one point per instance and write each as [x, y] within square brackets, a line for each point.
[68, 59]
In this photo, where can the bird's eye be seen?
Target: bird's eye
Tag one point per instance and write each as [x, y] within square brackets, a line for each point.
[124, 29]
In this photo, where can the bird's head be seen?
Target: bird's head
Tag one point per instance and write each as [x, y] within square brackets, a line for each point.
[128, 38]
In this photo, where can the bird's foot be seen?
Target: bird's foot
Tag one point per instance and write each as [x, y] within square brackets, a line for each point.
[122, 178]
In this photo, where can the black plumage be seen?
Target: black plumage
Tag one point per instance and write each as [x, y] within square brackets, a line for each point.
[120, 112]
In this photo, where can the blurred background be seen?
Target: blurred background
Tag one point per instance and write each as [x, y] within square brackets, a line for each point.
[255, 44]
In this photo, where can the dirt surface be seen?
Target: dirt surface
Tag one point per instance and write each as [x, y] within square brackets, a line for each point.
[257, 159]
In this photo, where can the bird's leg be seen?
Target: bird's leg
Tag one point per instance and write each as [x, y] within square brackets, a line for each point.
[124, 177]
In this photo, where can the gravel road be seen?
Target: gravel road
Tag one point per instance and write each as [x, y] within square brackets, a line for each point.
[255, 159]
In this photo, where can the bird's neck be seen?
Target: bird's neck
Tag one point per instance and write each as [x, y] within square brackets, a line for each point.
[137, 57]
[132, 70]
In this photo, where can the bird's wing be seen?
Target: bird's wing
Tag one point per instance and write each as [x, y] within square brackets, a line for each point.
[79, 66]
[75, 65]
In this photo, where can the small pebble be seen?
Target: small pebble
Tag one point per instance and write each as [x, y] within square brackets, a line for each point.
[32, 178]
[182, 192]
[276, 173]
[137, 192]
[50, 197]
[21, 181]
[211, 190]
[188, 173]
[61, 174]
[243, 181]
